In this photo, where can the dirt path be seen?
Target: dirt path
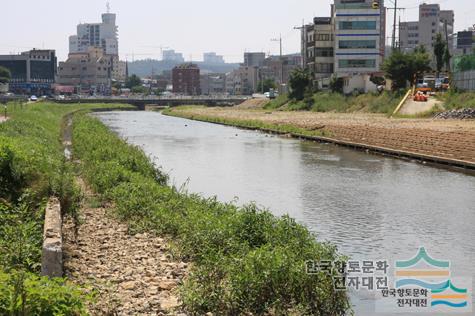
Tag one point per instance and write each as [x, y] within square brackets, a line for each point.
[133, 275]
[451, 139]
[412, 107]
[3, 119]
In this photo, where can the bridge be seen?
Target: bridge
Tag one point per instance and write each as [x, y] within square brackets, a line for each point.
[143, 103]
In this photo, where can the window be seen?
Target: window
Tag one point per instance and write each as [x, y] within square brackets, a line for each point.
[324, 68]
[322, 37]
[357, 25]
[324, 52]
[357, 63]
[357, 44]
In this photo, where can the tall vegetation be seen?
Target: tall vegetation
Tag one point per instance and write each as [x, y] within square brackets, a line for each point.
[440, 47]
[5, 75]
[32, 168]
[406, 67]
[300, 82]
[245, 260]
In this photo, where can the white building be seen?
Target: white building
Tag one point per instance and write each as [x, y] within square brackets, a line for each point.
[359, 42]
[102, 35]
[98, 35]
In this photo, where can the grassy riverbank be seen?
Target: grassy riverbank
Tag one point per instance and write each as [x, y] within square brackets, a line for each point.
[187, 112]
[33, 168]
[447, 139]
[384, 103]
[244, 260]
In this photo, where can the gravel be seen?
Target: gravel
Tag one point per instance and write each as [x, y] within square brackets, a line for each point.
[464, 114]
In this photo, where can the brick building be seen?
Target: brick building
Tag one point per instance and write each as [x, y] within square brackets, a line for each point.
[186, 79]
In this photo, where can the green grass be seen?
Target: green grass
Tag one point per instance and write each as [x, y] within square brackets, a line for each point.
[244, 259]
[458, 100]
[335, 102]
[32, 169]
[252, 124]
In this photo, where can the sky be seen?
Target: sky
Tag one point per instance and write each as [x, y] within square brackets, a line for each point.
[189, 26]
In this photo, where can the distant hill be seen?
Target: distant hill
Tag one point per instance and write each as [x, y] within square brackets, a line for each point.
[146, 67]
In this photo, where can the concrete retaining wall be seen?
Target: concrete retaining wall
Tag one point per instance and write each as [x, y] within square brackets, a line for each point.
[52, 252]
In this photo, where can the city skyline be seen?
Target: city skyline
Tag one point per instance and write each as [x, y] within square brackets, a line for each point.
[147, 27]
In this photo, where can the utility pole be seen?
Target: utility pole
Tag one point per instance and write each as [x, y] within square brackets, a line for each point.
[394, 26]
[280, 58]
[303, 43]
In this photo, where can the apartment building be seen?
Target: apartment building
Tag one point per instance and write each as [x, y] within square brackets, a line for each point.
[87, 72]
[432, 20]
[102, 35]
[213, 83]
[186, 79]
[320, 47]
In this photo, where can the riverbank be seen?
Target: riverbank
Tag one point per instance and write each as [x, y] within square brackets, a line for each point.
[33, 169]
[445, 139]
[241, 260]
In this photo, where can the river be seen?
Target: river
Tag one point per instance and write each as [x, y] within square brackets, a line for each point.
[372, 207]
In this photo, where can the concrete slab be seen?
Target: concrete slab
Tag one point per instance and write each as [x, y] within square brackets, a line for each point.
[52, 252]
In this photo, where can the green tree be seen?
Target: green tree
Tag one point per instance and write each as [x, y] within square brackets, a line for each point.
[266, 85]
[439, 51]
[300, 81]
[403, 67]
[139, 89]
[336, 84]
[133, 81]
[5, 75]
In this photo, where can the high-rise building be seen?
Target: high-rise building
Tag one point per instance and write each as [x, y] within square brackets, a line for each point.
[32, 72]
[102, 35]
[360, 36]
[432, 21]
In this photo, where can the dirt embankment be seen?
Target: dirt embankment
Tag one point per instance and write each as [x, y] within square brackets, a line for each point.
[450, 139]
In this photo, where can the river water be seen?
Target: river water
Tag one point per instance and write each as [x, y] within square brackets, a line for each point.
[372, 207]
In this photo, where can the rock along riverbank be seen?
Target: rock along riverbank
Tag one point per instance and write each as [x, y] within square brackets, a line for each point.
[130, 274]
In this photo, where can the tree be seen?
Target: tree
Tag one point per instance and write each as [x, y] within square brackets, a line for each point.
[300, 81]
[336, 84]
[439, 52]
[266, 85]
[403, 67]
[133, 81]
[5, 75]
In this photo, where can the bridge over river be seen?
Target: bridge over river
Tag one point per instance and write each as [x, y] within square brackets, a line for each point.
[143, 103]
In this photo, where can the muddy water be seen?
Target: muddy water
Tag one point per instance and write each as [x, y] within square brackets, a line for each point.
[371, 207]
